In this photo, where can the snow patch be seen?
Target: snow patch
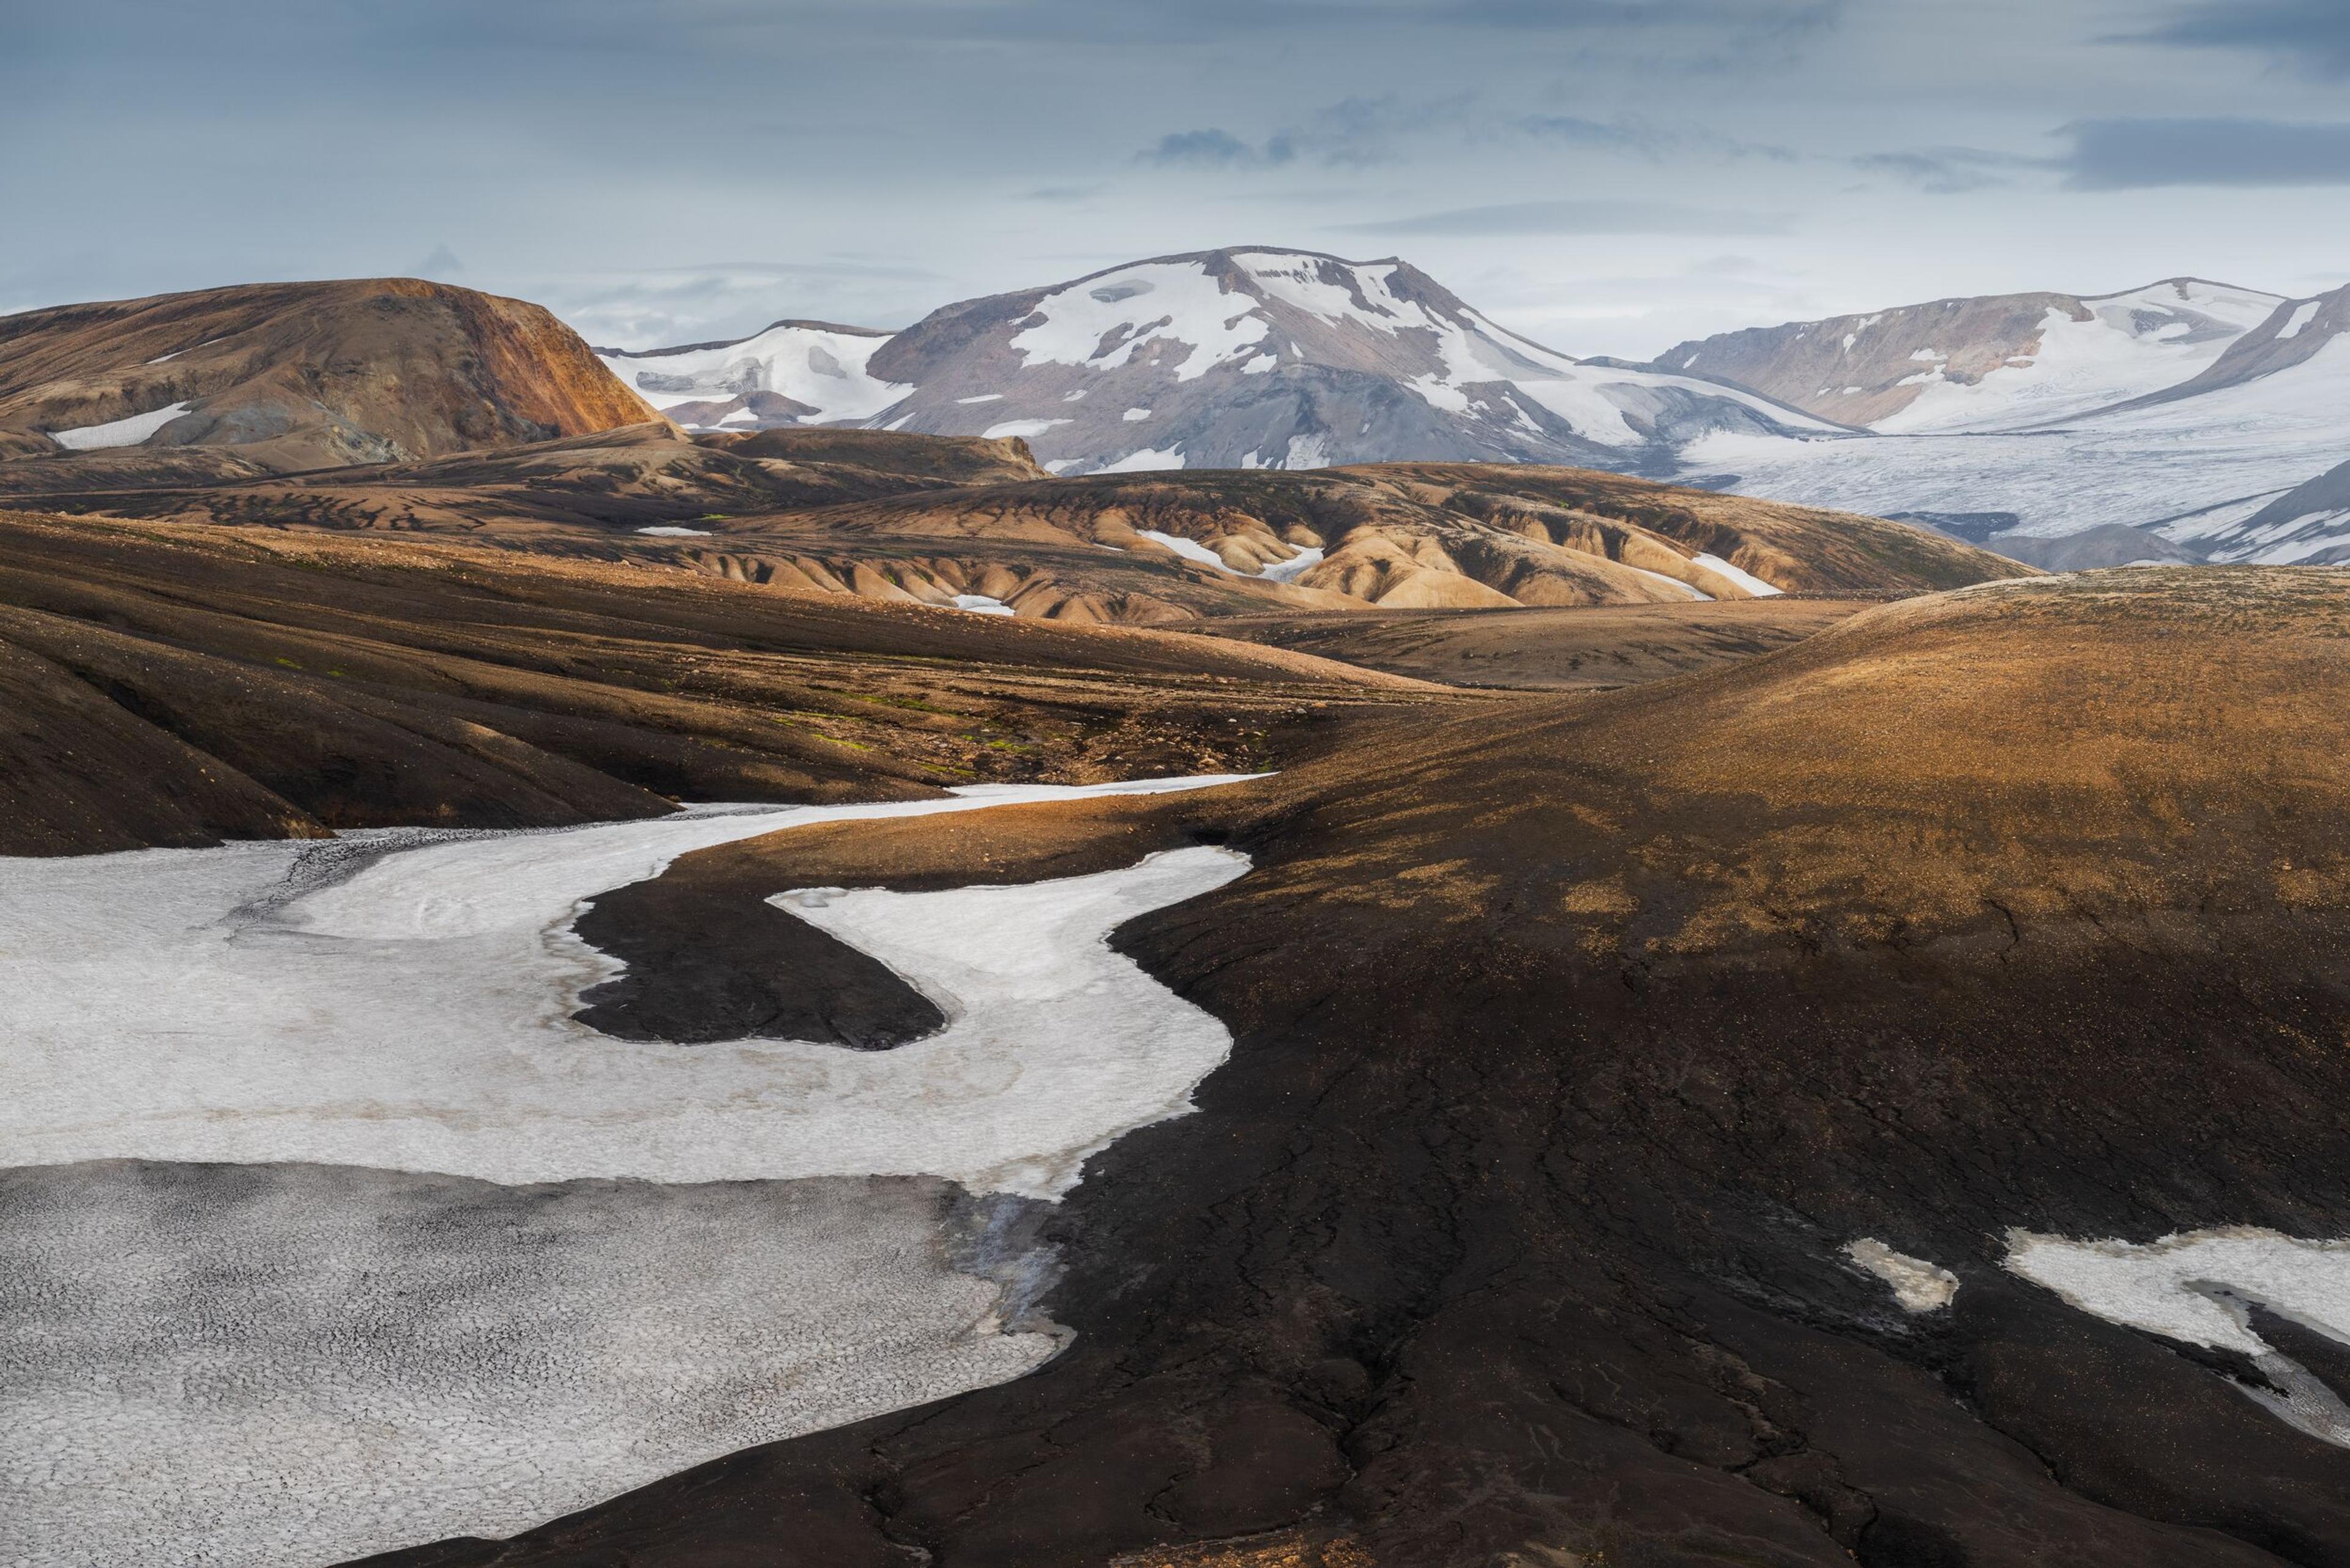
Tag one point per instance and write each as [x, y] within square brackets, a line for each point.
[1021, 427]
[983, 604]
[1294, 567]
[825, 370]
[1919, 1286]
[1190, 549]
[2198, 1288]
[669, 532]
[1149, 459]
[117, 432]
[173, 1004]
[1743, 579]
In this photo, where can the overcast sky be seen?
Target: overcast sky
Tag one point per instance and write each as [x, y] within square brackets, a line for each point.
[1606, 176]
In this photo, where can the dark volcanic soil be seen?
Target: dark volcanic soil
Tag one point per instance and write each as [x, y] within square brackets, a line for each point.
[1574, 1041]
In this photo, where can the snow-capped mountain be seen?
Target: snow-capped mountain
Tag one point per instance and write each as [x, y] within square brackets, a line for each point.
[2309, 524]
[1996, 362]
[1233, 358]
[794, 372]
[2200, 463]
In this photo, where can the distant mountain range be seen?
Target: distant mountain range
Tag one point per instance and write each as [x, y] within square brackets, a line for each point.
[1228, 359]
[2184, 420]
[2168, 422]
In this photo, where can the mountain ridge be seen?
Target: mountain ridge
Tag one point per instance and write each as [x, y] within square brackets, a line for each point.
[1237, 356]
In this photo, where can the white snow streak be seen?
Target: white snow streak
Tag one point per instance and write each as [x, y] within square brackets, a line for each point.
[119, 432]
[1743, 579]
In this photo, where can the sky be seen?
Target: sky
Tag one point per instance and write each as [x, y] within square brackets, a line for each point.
[1605, 176]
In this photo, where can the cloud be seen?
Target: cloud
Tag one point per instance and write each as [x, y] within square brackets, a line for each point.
[1597, 217]
[1209, 148]
[1365, 132]
[2312, 36]
[2138, 154]
[1948, 171]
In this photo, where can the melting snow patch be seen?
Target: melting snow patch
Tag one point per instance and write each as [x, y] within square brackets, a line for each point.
[1674, 583]
[1021, 428]
[2302, 317]
[667, 532]
[1919, 1286]
[119, 432]
[1294, 567]
[1136, 416]
[417, 1016]
[275, 1366]
[1744, 579]
[982, 398]
[1149, 460]
[2198, 1288]
[983, 604]
[1190, 549]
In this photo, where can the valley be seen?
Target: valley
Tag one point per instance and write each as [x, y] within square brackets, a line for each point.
[826, 949]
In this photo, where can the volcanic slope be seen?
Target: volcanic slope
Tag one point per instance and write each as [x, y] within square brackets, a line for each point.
[946, 520]
[175, 685]
[1170, 548]
[642, 478]
[1632, 1100]
[271, 377]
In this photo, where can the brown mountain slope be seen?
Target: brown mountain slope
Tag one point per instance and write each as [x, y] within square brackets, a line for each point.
[296, 376]
[1594, 647]
[884, 516]
[176, 685]
[592, 487]
[1576, 1038]
[1395, 535]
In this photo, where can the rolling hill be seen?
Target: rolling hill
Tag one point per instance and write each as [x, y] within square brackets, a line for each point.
[271, 378]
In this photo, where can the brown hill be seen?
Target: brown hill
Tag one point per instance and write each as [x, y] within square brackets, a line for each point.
[1577, 1038]
[284, 376]
[1397, 536]
[929, 519]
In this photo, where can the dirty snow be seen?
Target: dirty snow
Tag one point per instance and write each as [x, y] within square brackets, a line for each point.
[281, 1366]
[375, 1030]
[1919, 1286]
[2197, 1288]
